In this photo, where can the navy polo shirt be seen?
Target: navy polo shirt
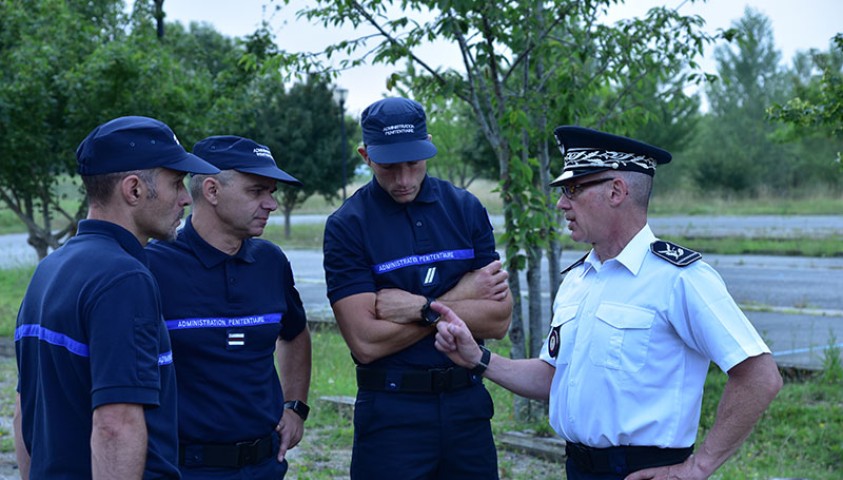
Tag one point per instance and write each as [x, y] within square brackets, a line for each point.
[90, 333]
[224, 313]
[423, 247]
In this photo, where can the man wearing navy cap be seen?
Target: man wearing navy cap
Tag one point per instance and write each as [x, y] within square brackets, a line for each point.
[96, 385]
[230, 302]
[636, 323]
[397, 244]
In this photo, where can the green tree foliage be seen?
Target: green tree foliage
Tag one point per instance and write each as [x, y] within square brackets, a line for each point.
[69, 66]
[301, 125]
[140, 75]
[672, 118]
[734, 150]
[39, 43]
[815, 110]
[527, 67]
[302, 129]
[464, 153]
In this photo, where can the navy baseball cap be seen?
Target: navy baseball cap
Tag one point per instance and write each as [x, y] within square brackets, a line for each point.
[229, 152]
[135, 143]
[588, 151]
[395, 131]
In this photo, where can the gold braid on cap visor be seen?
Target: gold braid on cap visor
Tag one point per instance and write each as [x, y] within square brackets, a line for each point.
[577, 158]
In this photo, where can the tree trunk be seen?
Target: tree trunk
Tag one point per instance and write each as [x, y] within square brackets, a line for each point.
[39, 243]
[159, 18]
[545, 176]
[521, 407]
[554, 277]
[537, 329]
[288, 211]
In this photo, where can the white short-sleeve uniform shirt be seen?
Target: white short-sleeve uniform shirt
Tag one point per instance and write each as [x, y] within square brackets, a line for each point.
[631, 340]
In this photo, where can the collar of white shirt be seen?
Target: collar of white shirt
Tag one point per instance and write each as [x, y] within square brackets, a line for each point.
[631, 257]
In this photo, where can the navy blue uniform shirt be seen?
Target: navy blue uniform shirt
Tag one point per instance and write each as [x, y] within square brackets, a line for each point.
[422, 247]
[89, 333]
[224, 313]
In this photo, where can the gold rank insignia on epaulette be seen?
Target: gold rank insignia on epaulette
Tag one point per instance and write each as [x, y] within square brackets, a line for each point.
[679, 256]
[574, 265]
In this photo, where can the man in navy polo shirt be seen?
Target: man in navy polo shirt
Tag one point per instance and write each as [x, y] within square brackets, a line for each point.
[397, 244]
[96, 386]
[230, 303]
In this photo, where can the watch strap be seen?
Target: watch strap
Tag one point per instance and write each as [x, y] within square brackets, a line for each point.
[298, 407]
[485, 356]
[429, 316]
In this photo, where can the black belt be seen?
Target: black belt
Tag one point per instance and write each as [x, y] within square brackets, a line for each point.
[415, 381]
[227, 456]
[599, 460]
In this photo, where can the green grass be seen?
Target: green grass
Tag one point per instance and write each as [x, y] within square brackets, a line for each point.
[800, 435]
[8, 381]
[713, 203]
[310, 236]
[677, 202]
[13, 284]
[801, 247]
[302, 236]
[798, 246]
[673, 203]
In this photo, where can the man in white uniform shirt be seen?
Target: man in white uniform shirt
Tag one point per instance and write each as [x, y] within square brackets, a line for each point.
[635, 324]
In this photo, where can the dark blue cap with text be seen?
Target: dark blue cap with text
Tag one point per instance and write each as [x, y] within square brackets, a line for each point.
[395, 131]
[230, 152]
[588, 151]
[135, 143]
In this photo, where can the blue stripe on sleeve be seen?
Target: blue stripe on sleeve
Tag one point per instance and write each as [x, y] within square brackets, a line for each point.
[53, 338]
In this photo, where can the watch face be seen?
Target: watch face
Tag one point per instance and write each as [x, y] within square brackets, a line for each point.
[431, 316]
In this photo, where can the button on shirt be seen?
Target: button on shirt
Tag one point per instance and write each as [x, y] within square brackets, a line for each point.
[422, 247]
[636, 335]
[90, 333]
[224, 314]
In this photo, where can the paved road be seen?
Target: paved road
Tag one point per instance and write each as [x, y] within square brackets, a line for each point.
[15, 252]
[795, 302]
[769, 226]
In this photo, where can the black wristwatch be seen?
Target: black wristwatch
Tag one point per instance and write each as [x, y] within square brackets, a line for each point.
[300, 408]
[485, 356]
[429, 316]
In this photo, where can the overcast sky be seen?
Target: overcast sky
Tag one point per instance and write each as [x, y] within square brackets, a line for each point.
[797, 25]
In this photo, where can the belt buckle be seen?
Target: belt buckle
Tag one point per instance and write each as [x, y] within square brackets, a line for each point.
[246, 451]
[440, 379]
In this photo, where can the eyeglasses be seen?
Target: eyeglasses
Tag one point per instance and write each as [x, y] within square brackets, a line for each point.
[571, 191]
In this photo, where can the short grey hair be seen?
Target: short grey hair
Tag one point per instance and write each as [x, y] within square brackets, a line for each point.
[640, 187]
[225, 177]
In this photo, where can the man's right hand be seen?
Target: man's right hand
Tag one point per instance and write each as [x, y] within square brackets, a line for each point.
[453, 338]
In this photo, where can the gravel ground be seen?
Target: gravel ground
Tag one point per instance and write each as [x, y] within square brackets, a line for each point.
[311, 459]
[8, 380]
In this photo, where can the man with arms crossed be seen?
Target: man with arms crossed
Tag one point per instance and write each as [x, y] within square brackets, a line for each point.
[399, 242]
[96, 385]
[636, 323]
[230, 303]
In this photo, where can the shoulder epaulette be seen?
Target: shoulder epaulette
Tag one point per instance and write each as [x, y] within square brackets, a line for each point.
[679, 256]
[575, 264]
